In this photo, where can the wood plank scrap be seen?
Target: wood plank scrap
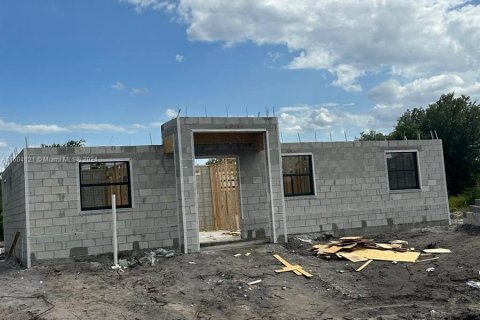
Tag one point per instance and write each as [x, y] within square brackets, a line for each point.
[286, 263]
[14, 243]
[438, 250]
[426, 260]
[364, 265]
[297, 269]
[351, 256]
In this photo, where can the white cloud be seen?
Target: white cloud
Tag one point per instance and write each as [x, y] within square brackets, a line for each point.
[179, 58]
[349, 38]
[3, 144]
[102, 127]
[159, 5]
[273, 57]
[311, 118]
[157, 124]
[139, 91]
[31, 128]
[422, 91]
[118, 86]
[170, 113]
[137, 126]
[347, 77]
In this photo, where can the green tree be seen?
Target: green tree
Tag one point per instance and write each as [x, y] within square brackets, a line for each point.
[372, 136]
[68, 144]
[456, 120]
[410, 125]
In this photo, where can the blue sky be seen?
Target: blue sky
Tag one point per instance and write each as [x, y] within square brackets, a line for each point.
[111, 71]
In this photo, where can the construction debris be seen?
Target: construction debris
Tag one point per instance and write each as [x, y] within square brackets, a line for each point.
[152, 256]
[364, 265]
[359, 249]
[474, 284]
[425, 260]
[232, 233]
[305, 240]
[437, 251]
[297, 269]
[254, 282]
[14, 243]
[123, 263]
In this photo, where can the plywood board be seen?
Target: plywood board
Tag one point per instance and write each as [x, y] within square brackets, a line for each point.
[225, 195]
[351, 256]
[387, 255]
[320, 246]
[438, 250]
[384, 246]
[332, 249]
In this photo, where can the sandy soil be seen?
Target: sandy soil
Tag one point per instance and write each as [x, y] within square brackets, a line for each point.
[213, 285]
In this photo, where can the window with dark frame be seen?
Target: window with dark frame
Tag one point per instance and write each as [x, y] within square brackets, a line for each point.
[99, 180]
[402, 170]
[297, 175]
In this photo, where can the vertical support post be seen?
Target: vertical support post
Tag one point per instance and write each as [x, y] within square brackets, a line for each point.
[270, 185]
[114, 224]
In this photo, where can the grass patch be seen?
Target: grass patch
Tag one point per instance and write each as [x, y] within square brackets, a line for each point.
[460, 202]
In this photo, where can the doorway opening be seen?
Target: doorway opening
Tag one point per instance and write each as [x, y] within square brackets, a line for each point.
[218, 198]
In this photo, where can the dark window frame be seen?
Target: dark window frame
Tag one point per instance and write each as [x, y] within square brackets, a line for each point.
[128, 183]
[415, 170]
[310, 175]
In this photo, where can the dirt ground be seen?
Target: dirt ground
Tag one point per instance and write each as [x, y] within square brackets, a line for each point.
[213, 285]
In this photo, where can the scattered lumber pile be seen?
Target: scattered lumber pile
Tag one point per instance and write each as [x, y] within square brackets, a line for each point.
[360, 249]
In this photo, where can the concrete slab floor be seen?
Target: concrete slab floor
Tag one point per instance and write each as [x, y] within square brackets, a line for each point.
[217, 236]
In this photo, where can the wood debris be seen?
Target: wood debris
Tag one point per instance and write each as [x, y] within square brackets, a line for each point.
[425, 260]
[364, 265]
[360, 249]
[297, 269]
[438, 250]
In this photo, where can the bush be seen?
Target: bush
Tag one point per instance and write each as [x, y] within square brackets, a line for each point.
[461, 201]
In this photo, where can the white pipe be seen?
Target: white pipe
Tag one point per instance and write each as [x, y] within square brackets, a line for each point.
[115, 244]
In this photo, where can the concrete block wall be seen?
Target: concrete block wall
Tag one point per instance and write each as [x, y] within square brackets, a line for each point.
[256, 214]
[14, 210]
[59, 228]
[471, 218]
[204, 196]
[352, 188]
